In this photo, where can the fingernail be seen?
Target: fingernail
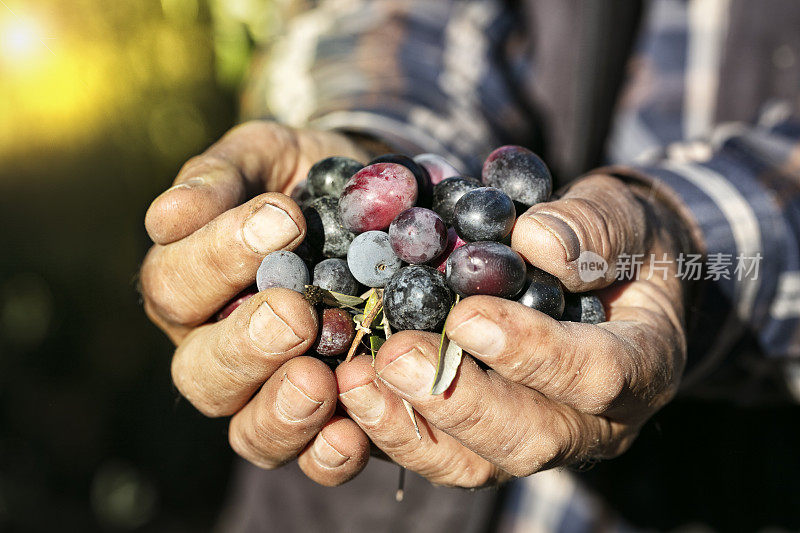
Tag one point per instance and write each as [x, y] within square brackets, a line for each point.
[479, 336]
[269, 229]
[326, 454]
[410, 373]
[270, 332]
[561, 231]
[188, 184]
[294, 404]
[365, 402]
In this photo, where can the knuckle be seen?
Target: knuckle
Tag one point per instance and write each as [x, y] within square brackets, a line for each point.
[394, 442]
[233, 356]
[148, 274]
[159, 285]
[243, 444]
[555, 367]
[558, 444]
[568, 439]
[212, 409]
[591, 382]
[541, 364]
[229, 264]
[461, 418]
[604, 389]
[526, 458]
[472, 473]
[193, 389]
[605, 182]
[523, 468]
[606, 215]
[204, 403]
[206, 162]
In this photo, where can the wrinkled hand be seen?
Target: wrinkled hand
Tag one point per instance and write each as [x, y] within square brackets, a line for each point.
[211, 231]
[554, 393]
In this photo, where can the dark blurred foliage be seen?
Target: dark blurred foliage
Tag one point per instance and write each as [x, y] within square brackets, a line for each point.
[92, 433]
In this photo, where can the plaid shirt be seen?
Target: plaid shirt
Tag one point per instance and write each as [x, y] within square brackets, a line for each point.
[707, 114]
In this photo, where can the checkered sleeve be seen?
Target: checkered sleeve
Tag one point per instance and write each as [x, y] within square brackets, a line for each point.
[421, 76]
[741, 192]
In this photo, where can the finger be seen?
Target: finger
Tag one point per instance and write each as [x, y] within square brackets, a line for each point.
[219, 366]
[189, 280]
[515, 427]
[381, 414]
[644, 316]
[205, 187]
[254, 156]
[580, 365]
[288, 411]
[598, 218]
[337, 454]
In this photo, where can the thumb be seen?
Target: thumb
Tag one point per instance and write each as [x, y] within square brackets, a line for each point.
[579, 237]
[252, 158]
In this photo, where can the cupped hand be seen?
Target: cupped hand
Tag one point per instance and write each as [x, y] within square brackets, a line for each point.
[211, 230]
[534, 392]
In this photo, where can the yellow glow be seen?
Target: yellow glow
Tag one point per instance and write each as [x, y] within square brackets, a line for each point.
[129, 73]
[21, 40]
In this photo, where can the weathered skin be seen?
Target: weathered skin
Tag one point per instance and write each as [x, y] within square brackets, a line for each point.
[417, 297]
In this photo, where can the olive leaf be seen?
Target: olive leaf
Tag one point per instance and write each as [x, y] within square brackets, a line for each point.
[450, 355]
[375, 298]
[317, 295]
[375, 343]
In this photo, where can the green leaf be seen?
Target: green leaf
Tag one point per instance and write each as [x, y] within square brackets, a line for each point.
[450, 355]
[343, 300]
[375, 343]
[373, 300]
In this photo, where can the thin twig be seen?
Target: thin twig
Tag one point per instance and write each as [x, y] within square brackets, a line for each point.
[365, 324]
[401, 485]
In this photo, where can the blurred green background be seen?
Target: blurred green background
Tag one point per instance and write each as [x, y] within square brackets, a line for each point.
[101, 101]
